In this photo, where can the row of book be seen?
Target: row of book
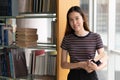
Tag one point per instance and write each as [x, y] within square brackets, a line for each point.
[5, 7]
[37, 6]
[13, 62]
[13, 7]
[23, 37]
[42, 63]
[6, 35]
[8, 7]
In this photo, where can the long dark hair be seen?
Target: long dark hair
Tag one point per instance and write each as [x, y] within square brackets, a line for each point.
[69, 30]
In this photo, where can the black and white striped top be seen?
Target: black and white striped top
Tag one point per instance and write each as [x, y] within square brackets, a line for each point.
[82, 48]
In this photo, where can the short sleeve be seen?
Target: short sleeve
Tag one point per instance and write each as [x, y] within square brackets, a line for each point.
[64, 44]
[99, 43]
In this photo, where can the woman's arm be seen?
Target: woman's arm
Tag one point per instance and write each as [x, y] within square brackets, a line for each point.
[102, 57]
[67, 65]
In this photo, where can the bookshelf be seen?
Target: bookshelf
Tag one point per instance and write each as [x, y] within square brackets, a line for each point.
[38, 16]
[60, 15]
[45, 46]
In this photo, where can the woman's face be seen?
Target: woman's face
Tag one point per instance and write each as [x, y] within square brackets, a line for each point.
[76, 21]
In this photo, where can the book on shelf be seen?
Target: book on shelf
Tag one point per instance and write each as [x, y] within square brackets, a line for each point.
[6, 35]
[8, 8]
[27, 37]
[23, 7]
[25, 33]
[19, 62]
[42, 63]
[5, 5]
[26, 44]
[1, 35]
[13, 63]
[3, 64]
[6, 54]
[20, 29]
[53, 32]
[37, 57]
[37, 6]
[51, 68]
[1, 52]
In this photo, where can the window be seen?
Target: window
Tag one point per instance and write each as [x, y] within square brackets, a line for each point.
[117, 31]
[102, 19]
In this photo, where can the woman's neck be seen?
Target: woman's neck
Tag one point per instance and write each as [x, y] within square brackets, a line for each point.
[81, 33]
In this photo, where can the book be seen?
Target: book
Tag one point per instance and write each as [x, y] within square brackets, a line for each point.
[27, 37]
[8, 8]
[1, 35]
[38, 64]
[26, 44]
[26, 29]
[6, 53]
[7, 36]
[53, 32]
[19, 62]
[11, 65]
[4, 7]
[23, 6]
[4, 69]
[25, 33]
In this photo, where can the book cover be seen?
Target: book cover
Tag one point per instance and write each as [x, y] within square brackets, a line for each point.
[19, 62]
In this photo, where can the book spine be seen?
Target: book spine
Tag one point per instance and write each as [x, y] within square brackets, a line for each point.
[1, 35]
[6, 37]
[11, 65]
[9, 8]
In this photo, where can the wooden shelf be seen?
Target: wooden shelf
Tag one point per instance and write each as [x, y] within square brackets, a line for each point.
[31, 15]
[31, 77]
[37, 15]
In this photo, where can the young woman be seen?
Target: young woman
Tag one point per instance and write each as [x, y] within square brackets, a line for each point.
[81, 44]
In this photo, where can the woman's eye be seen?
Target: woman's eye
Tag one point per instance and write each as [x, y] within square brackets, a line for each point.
[77, 18]
[70, 20]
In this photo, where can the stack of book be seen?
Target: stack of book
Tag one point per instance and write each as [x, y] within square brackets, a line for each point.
[26, 37]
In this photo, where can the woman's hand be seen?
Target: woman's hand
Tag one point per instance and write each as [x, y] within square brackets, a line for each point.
[88, 66]
[92, 65]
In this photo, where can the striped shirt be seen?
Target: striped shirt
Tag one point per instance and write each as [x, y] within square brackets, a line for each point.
[82, 48]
